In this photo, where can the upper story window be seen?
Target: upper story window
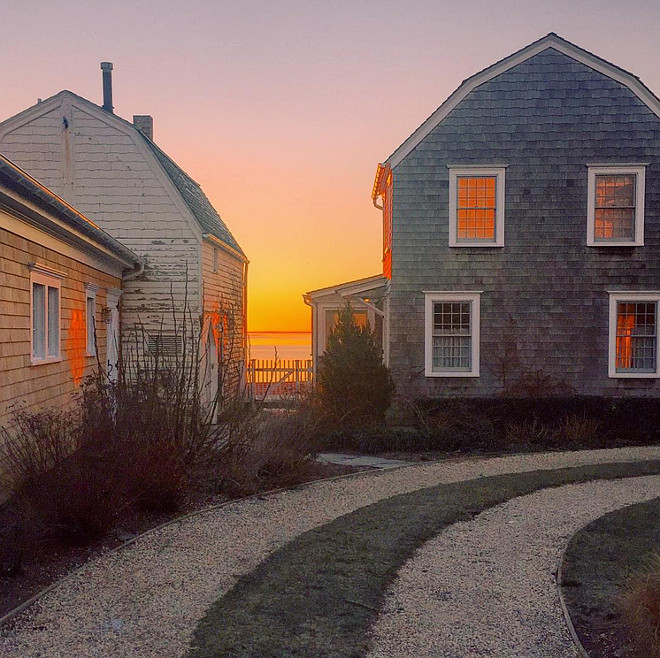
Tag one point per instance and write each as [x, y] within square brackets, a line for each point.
[634, 338]
[476, 206]
[45, 293]
[452, 334]
[615, 212]
[216, 258]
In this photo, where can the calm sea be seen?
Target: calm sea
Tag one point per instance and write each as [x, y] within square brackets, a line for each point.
[293, 345]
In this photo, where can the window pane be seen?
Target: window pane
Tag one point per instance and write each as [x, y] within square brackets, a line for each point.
[53, 322]
[475, 212]
[91, 305]
[452, 341]
[636, 336]
[615, 191]
[614, 224]
[38, 320]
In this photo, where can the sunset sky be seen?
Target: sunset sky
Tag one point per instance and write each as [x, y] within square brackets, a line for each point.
[281, 110]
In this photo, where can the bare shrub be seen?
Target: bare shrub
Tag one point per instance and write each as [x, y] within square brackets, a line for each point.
[540, 384]
[275, 449]
[528, 433]
[62, 481]
[579, 430]
[639, 605]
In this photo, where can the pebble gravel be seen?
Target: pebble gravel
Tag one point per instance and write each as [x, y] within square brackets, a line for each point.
[487, 587]
[146, 599]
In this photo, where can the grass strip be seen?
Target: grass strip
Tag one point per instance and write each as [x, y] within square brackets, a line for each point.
[598, 561]
[319, 594]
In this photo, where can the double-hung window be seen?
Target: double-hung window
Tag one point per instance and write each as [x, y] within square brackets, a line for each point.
[45, 324]
[634, 337]
[615, 211]
[452, 334]
[476, 206]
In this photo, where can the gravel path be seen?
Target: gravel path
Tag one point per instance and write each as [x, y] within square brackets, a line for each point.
[497, 572]
[147, 598]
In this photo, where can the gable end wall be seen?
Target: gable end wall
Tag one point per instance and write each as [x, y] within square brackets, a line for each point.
[546, 119]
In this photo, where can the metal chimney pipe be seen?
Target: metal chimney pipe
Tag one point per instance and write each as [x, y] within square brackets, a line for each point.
[106, 67]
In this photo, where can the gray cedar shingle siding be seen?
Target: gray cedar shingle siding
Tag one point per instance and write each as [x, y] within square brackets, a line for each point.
[546, 118]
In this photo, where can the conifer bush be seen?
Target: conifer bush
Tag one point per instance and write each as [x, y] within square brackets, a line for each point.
[354, 386]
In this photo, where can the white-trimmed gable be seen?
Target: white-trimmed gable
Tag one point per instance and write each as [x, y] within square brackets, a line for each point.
[550, 41]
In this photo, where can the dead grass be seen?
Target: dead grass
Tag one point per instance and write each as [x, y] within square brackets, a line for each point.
[639, 606]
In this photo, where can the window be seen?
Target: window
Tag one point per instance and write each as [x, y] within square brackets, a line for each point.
[45, 287]
[615, 214]
[452, 334]
[361, 319]
[476, 207]
[90, 315]
[634, 334]
[215, 259]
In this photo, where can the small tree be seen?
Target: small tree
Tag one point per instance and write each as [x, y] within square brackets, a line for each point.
[353, 384]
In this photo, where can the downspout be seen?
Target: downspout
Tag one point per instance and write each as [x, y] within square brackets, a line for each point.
[245, 302]
[135, 273]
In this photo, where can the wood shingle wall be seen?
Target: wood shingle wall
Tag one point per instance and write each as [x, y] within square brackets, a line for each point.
[546, 119]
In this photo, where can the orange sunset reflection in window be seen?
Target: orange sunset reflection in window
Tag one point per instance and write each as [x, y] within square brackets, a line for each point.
[615, 207]
[476, 208]
[77, 346]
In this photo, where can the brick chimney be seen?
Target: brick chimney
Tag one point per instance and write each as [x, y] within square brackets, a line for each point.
[145, 124]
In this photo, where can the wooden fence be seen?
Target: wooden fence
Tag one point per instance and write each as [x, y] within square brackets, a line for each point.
[279, 378]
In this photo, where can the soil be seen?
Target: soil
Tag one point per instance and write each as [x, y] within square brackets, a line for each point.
[44, 564]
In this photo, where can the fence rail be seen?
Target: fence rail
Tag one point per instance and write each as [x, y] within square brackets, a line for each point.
[277, 378]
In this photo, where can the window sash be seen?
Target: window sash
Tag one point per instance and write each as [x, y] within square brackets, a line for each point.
[636, 337]
[90, 315]
[38, 320]
[452, 336]
[614, 216]
[476, 208]
[53, 322]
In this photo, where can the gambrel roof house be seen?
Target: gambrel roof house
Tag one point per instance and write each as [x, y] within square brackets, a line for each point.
[60, 282]
[113, 172]
[521, 226]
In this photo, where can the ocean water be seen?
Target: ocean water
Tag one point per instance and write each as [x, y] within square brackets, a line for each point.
[289, 345]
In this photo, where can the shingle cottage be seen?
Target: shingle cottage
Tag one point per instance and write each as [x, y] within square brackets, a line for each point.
[521, 232]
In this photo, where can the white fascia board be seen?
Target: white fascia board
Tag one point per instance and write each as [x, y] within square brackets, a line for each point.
[349, 288]
[551, 41]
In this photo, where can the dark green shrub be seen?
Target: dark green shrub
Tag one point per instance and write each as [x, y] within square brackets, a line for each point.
[354, 386]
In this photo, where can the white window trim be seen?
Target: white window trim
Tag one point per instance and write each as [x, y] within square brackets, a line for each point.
[634, 296]
[474, 297]
[50, 278]
[323, 307]
[90, 293]
[454, 174]
[613, 170]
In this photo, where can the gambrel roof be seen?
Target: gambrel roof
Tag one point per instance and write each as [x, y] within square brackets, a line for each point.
[551, 40]
[191, 193]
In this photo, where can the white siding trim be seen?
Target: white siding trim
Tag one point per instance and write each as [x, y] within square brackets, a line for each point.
[640, 190]
[475, 323]
[633, 296]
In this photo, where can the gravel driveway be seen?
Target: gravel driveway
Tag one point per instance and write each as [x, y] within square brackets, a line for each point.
[146, 599]
[486, 587]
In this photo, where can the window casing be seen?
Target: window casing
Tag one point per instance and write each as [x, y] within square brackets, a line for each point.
[615, 211]
[476, 206]
[634, 337]
[90, 315]
[452, 321]
[45, 316]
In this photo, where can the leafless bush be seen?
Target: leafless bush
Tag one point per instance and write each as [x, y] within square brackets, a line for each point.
[640, 609]
[528, 433]
[579, 430]
[540, 384]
